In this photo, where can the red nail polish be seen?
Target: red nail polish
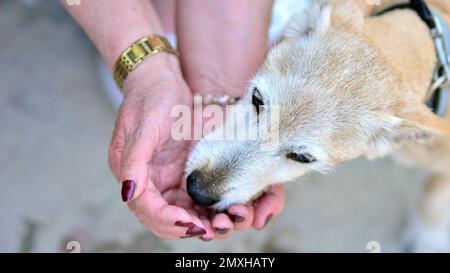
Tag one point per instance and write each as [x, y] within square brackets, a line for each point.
[184, 224]
[195, 231]
[222, 231]
[237, 218]
[128, 187]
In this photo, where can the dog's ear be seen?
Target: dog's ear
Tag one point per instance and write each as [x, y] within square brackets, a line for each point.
[393, 131]
[314, 18]
[319, 15]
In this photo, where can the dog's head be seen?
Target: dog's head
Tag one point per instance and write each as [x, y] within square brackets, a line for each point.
[335, 100]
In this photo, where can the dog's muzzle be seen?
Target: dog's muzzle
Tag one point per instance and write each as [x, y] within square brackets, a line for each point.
[198, 191]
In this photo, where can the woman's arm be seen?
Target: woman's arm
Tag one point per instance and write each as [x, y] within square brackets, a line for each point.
[222, 43]
[114, 25]
[142, 155]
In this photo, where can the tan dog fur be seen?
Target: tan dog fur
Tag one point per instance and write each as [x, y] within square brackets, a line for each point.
[349, 85]
[411, 56]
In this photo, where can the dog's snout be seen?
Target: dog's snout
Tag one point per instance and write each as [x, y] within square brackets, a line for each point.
[196, 189]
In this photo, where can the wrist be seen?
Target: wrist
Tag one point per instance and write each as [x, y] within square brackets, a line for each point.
[120, 44]
[158, 78]
[159, 69]
[138, 52]
[214, 85]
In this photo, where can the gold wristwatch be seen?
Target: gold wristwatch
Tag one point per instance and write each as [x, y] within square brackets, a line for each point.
[137, 53]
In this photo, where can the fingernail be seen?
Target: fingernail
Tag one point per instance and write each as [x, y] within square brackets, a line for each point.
[268, 219]
[206, 240]
[128, 187]
[222, 231]
[194, 231]
[184, 224]
[237, 218]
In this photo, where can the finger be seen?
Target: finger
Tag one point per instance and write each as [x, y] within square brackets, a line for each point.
[210, 232]
[164, 220]
[208, 226]
[136, 155]
[115, 150]
[268, 206]
[242, 216]
[222, 225]
[181, 198]
[172, 197]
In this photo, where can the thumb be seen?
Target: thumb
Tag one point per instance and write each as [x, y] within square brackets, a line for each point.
[134, 168]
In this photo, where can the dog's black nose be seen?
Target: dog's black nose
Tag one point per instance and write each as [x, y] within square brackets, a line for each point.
[196, 190]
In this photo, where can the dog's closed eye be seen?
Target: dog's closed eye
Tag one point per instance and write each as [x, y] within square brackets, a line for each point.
[302, 158]
[257, 100]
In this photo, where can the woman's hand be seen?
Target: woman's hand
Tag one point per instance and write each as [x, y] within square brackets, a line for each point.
[142, 152]
[256, 214]
[145, 157]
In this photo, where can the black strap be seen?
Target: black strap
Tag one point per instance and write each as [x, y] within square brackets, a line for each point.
[395, 7]
[433, 103]
[419, 6]
[424, 12]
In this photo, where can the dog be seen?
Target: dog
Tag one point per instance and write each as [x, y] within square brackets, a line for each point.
[347, 84]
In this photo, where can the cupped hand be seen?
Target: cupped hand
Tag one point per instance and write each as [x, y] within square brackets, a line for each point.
[255, 214]
[150, 164]
[144, 157]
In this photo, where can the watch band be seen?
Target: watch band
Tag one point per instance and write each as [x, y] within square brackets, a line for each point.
[137, 53]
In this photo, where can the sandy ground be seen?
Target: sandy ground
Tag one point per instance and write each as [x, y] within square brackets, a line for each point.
[55, 185]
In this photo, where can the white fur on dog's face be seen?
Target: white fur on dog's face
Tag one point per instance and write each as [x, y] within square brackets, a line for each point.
[336, 101]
